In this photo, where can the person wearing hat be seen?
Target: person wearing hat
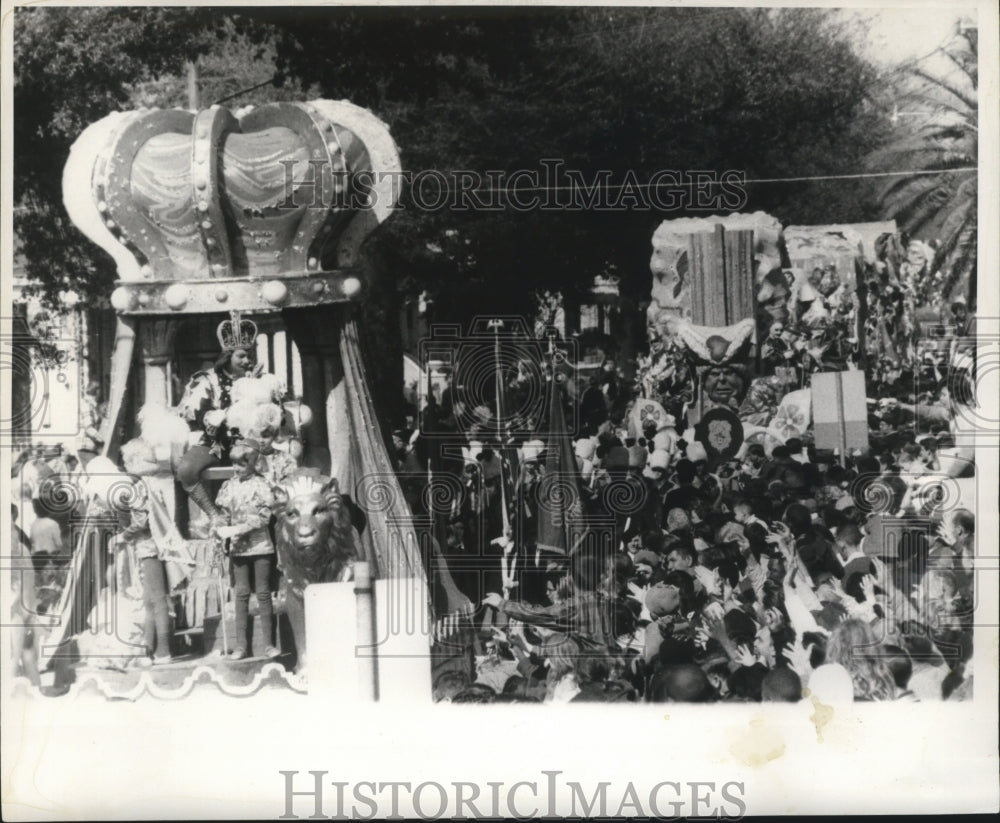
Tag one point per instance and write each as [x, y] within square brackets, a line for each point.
[206, 398]
[670, 607]
[276, 463]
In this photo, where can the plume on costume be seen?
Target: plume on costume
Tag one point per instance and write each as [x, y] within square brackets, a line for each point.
[268, 388]
[137, 457]
[252, 419]
[240, 416]
[267, 416]
[161, 426]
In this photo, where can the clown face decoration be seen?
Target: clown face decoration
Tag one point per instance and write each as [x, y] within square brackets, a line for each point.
[724, 386]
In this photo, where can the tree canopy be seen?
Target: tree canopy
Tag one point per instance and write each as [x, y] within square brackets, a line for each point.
[943, 207]
[613, 91]
[768, 93]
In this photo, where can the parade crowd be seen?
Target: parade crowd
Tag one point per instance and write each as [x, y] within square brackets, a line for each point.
[781, 571]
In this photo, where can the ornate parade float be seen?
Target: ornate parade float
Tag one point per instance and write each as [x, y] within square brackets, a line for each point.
[727, 293]
[717, 284]
[233, 222]
[761, 334]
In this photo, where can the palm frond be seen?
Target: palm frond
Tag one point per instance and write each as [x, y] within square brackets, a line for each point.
[943, 205]
[903, 189]
[917, 212]
[951, 88]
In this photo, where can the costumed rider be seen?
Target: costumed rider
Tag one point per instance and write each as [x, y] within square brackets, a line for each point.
[246, 499]
[136, 538]
[152, 551]
[206, 399]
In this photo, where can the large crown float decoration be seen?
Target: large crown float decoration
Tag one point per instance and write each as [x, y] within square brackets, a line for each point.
[246, 213]
[211, 211]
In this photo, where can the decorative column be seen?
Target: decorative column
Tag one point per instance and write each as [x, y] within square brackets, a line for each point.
[121, 363]
[157, 340]
[315, 331]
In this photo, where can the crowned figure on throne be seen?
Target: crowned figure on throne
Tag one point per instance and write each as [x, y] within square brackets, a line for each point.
[207, 398]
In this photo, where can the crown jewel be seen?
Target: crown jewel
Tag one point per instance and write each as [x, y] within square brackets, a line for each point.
[236, 333]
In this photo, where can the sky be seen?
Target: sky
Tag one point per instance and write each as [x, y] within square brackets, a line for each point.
[900, 34]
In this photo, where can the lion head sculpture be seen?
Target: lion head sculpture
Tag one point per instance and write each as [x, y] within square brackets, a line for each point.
[317, 539]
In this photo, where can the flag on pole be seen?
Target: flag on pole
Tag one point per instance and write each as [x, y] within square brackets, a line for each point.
[561, 504]
[438, 518]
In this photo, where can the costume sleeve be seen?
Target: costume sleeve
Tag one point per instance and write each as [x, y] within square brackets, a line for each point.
[199, 397]
[224, 498]
[284, 467]
[258, 516]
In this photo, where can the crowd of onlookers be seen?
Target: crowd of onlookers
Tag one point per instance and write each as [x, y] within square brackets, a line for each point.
[783, 569]
[45, 497]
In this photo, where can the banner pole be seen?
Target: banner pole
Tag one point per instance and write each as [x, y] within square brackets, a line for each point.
[841, 418]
